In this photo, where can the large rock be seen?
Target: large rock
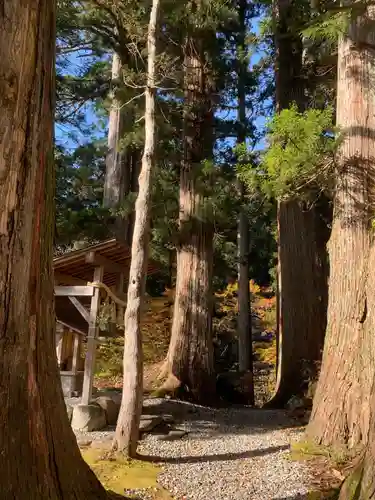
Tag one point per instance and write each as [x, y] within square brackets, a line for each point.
[115, 395]
[88, 418]
[110, 407]
[149, 422]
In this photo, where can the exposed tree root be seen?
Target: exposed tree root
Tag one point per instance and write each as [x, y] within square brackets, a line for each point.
[170, 387]
[163, 370]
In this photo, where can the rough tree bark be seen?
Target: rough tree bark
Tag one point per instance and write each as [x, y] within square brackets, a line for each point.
[245, 351]
[342, 410]
[120, 165]
[127, 430]
[189, 361]
[302, 278]
[360, 485]
[39, 456]
[114, 178]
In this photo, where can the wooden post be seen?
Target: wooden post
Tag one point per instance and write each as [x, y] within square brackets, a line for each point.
[120, 293]
[59, 342]
[120, 284]
[91, 341]
[76, 352]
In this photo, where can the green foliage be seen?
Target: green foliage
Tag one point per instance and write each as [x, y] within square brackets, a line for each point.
[300, 154]
[79, 189]
[266, 26]
[328, 27]
[91, 30]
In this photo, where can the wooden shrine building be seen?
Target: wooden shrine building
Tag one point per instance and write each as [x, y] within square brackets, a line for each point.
[84, 279]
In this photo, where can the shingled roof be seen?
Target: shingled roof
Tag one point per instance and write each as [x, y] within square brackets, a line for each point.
[77, 268]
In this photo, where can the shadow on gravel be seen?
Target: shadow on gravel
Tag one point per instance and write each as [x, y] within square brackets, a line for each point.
[233, 420]
[214, 458]
[295, 497]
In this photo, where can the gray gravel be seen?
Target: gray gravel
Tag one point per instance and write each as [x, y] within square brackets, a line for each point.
[227, 454]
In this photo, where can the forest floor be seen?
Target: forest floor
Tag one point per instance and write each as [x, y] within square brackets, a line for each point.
[156, 330]
[224, 454]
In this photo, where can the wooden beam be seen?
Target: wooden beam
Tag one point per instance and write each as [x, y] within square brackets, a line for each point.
[73, 328]
[99, 260]
[74, 291]
[70, 280]
[92, 337]
[80, 308]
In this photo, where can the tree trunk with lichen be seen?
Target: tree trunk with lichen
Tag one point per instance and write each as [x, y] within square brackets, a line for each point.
[343, 413]
[190, 357]
[39, 456]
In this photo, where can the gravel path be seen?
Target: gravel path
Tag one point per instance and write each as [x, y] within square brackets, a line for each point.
[227, 454]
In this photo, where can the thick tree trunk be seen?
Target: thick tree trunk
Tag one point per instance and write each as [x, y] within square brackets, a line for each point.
[342, 411]
[365, 471]
[245, 351]
[302, 297]
[302, 282]
[126, 437]
[361, 482]
[39, 456]
[190, 356]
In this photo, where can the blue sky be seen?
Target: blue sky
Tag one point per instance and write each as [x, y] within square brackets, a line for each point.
[63, 134]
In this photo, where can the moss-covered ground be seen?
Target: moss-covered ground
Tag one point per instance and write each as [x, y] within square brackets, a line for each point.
[121, 476]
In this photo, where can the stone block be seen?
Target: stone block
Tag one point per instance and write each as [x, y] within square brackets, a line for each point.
[110, 407]
[115, 395]
[149, 422]
[88, 418]
[168, 418]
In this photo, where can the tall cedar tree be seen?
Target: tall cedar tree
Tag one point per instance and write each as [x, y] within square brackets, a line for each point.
[190, 355]
[344, 404]
[301, 274]
[245, 355]
[93, 220]
[40, 458]
[126, 437]
[122, 162]
[115, 183]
